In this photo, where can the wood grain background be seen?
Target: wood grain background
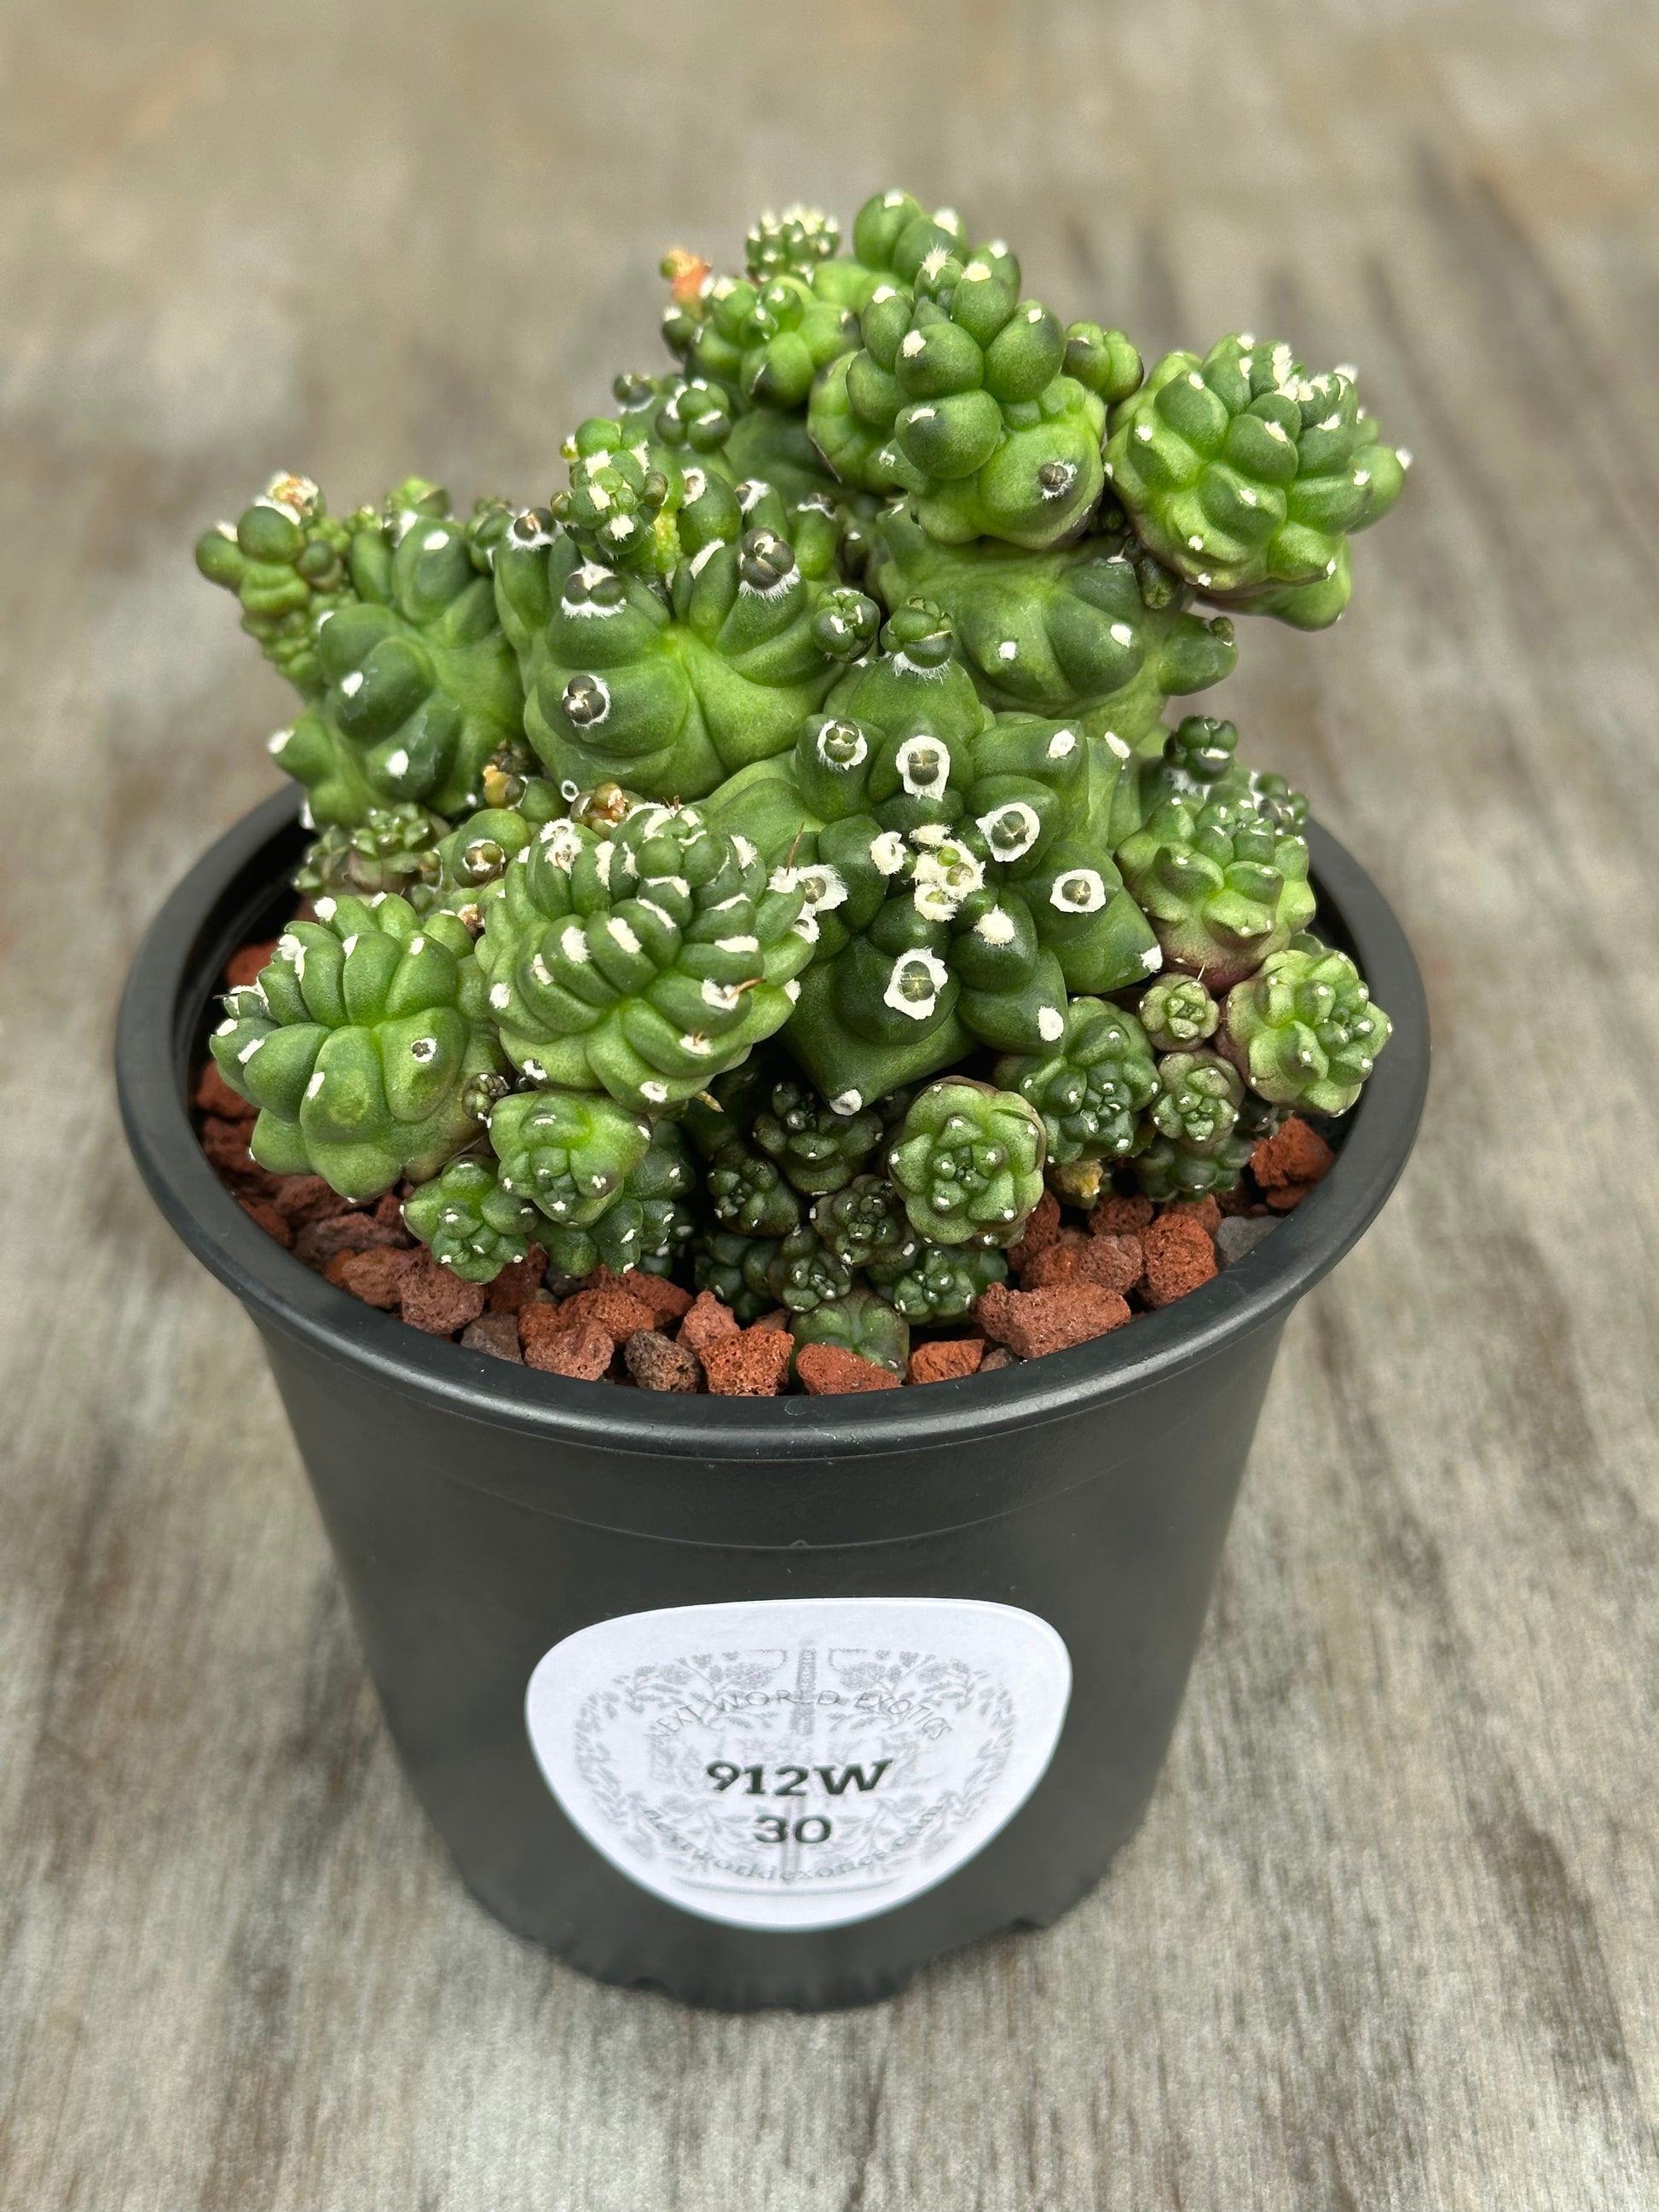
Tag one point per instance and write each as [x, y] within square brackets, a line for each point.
[1388, 1936]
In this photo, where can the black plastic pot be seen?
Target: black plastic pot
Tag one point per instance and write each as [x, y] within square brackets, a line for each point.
[798, 1798]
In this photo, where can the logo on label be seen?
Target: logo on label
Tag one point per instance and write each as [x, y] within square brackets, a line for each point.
[798, 1762]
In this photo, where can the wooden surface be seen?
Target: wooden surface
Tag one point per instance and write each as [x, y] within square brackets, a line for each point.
[1389, 1935]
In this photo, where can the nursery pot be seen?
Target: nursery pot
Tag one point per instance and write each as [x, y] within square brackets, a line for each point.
[764, 1702]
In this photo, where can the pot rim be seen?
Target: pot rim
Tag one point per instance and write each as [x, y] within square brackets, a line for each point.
[176, 972]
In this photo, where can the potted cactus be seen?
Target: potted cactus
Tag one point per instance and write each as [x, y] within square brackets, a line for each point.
[759, 935]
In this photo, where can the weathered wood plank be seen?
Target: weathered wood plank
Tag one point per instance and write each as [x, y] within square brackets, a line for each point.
[1388, 1936]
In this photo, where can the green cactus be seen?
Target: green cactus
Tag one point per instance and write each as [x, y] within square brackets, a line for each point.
[1066, 632]
[793, 242]
[817, 1149]
[474, 1227]
[1303, 1030]
[1196, 763]
[726, 1106]
[939, 1283]
[701, 419]
[394, 849]
[647, 1225]
[956, 888]
[645, 961]
[801, 763]
[860, 1322]
[766, 337]
[1190, 1140]
[364, 1045]
[410, 686]
[734, 1267]
[865, 1225]
[632, 506]
[968, 1163]
[670, 699]
[805, 1271]
[570, 1154]
[748, 1192]
[1178, 1014]
[477, 854]
[1104, 361]
[1222, 880]
[288, 561]
[960, 396]
[892, 235]
[1247, 477]
[1092, 1087]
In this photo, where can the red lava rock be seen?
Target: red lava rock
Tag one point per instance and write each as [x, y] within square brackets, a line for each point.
[1241, 1198]
[262, 1211]
[1033, 1322]
[778, 1318]
[657, 1363]
[375, 1276]
[299, 1199]
[1114, 1263]
[1205, 1211]
[389, 1211]
[706, 1320]
[318, 1241]
[583, 1352]
[225, 1144]
[945, 1359]
[997, 1357]
[619, 1311]
[1180, 1257]
[1293, 1154]
[1289, 1194]
[1116, 1216]
[1042, 1228]
[437, 1301]
[830, 1370]
[538, 1324]
[213, 1095]
[244, 967]
[1056, 1262]
[497, 1334]
[666, 1300]
[518, 1283]
[749, 1363]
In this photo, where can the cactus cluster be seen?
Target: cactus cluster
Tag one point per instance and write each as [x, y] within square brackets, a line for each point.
[775, 857]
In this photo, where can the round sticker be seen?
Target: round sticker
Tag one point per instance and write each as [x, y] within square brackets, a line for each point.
[798, 1762]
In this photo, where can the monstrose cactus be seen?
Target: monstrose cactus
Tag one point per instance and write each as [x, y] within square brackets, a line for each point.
[773, 856]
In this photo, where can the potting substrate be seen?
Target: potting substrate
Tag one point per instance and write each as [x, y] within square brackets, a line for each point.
[1077, 1276]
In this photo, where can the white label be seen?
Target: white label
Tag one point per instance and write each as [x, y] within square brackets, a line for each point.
[798, 1762]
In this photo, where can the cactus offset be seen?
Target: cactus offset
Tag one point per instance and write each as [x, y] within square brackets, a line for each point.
[939, 1282]
[386, 625]
[643, 961]
[858, 1322]
[811, 743]
[968, 1163]
[1246, 476]
[366, 1045]
[1190, 1144]
[1090, 1089]
[1303, 1028]
[474, 1227]
[734, 1267]
[648, 1225]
